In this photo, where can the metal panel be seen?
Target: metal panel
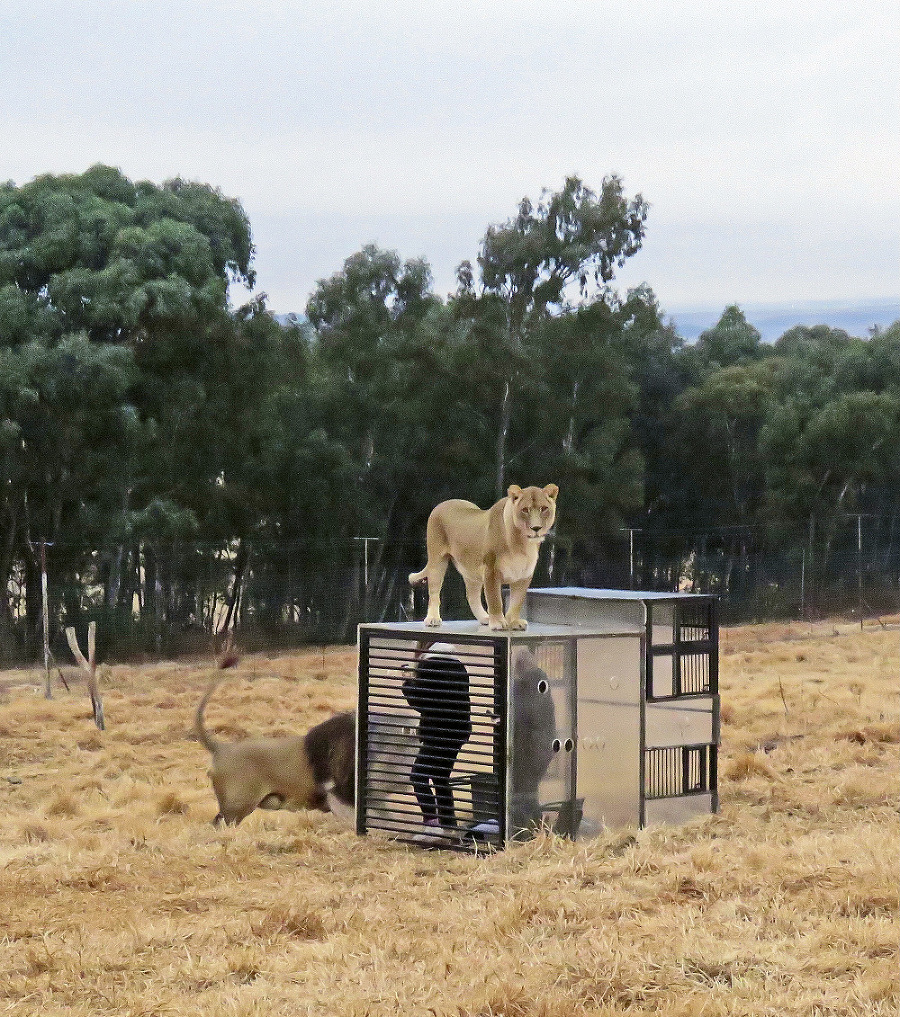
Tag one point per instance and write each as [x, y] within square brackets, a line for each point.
[662, 624]
[599, 616]
[663, 675]
[541, 741]
[609, 758]
[679, 722]
[674, 811]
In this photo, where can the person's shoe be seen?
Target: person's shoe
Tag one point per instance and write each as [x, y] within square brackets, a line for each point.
[489, 828]
[434, 833]
[429, 833]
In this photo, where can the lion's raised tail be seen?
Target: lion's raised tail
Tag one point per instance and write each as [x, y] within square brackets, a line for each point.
[227, 660]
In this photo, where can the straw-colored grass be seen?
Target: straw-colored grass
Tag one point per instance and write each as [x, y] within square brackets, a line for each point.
[117, 896]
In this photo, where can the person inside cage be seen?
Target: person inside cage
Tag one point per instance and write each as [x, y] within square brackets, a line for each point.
[438, 690]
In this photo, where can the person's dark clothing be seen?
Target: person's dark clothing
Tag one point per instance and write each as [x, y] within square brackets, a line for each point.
[439, 692]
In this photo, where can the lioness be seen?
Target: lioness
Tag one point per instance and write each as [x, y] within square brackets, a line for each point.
[490, 548]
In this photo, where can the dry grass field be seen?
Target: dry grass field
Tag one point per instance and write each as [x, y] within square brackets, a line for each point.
[117, 896]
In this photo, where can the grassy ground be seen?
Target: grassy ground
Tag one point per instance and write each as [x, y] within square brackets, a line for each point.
[117, 896]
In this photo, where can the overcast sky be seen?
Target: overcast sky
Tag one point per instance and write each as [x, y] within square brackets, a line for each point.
[766, 136]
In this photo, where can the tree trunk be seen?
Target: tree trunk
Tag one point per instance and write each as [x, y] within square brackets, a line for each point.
[503, 431]
[569, 440]
[115, 572]
[133, 586]
[148, 598]
[32, 602]
[240, 564]
[115, 578]
[6, 565]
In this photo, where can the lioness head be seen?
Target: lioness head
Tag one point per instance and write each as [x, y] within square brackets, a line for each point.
[533, 510]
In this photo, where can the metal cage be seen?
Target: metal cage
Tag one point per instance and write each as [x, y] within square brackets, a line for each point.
[604, 713]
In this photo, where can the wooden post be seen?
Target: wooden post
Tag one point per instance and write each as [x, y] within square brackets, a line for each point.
[90, 666]
[803, 584]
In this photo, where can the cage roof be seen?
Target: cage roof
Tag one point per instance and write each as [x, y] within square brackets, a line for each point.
[450, 630]
[588, 593]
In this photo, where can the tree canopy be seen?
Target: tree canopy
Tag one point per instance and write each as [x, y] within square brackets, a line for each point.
[165, 444]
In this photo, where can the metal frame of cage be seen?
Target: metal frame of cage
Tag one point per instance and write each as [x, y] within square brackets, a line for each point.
[677, 681]
[679, 771]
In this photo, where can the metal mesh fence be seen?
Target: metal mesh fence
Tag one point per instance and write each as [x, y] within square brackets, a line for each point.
[164, 600]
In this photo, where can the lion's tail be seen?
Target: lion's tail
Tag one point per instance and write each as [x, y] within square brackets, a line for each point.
[229, 659]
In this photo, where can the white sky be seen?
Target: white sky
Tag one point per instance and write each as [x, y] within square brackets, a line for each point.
[766, 136]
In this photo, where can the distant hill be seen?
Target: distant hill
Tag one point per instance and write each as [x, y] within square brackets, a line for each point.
[773, 320]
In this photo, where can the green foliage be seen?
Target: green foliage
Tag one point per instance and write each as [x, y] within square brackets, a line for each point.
[168, 444]
[572, 235]
[126, 381]
[549, 260]
[721, 419]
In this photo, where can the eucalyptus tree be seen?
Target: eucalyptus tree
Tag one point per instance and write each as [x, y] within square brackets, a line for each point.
[113, 295]
[66, 427]
[387, 399]
[730, 342]
[561, 251]
[574, 426]
[653, 352]
[830, 443]
[719, 425]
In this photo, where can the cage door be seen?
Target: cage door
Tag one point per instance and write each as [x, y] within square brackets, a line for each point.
[431, 751]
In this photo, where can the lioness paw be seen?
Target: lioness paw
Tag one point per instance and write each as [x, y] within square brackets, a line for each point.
[497, 624]
[433, 623]
[517, 624]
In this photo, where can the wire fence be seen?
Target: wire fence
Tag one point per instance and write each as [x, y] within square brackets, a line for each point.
[165, 600]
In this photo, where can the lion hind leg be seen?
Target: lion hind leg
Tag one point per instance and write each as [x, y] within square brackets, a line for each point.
[435, 571]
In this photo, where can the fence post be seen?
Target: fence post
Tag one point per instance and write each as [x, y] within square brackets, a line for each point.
[45, 598]
[365, 604]
[803, 583]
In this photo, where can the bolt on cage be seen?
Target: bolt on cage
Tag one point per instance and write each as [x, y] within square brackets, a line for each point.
[604, 713]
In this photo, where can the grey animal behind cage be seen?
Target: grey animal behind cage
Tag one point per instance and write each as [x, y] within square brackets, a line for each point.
[534, 727]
